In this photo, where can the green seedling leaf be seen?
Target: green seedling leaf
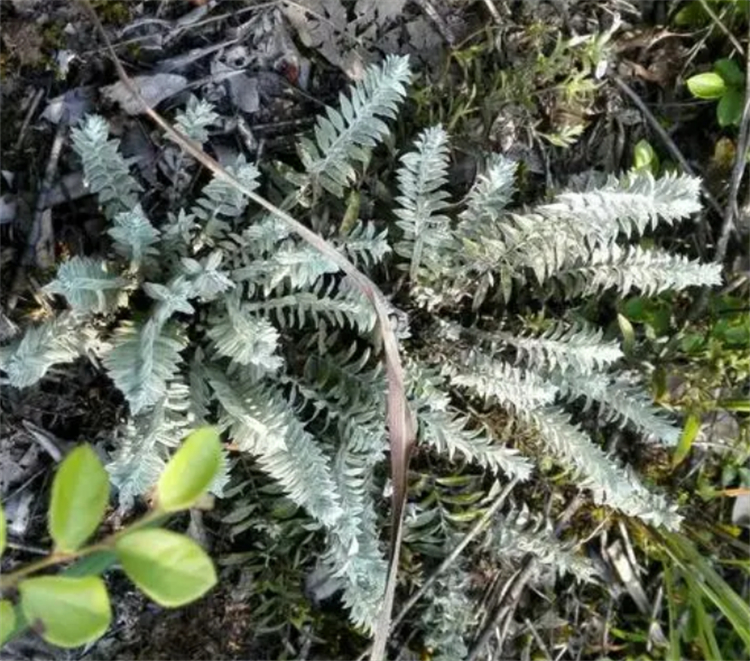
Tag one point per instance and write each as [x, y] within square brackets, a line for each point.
[3, 531]
[7, 620]
[689, 432]
[692, 343]
[709, 85]
[170, 568]
[351, 215]
[737, 405]
[645, 158]
[691, 15]
[67, 612]
[729, 109]
[190, 472]
[80, 492]
[628, 333]
[730, 71]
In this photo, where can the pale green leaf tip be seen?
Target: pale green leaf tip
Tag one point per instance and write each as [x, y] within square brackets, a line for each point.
[80, 493]
[190, 472]
[7, 621]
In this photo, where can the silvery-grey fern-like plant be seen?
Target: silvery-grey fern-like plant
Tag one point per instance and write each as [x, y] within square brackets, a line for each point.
[251, 329]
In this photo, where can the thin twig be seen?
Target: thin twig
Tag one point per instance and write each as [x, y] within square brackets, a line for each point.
[30, 253]
[493, 11]
[440, 23]
[17, 546]
[731, 212]
[717, 20]
[477, 528]
[539, 641]
[505, 607]
[29, 114]
[399, 422]
[48, 443]
[665, 137]
[471, 534]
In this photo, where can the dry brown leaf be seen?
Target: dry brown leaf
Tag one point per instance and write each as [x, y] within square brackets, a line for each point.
[153, 89]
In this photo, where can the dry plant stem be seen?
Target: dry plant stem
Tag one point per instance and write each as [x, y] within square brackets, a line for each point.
[665, 137]
[49, 175]
[44, 439]
[27, 119]
[493, 11]
[717, 20]
[539, 641]
[505, 607]
[477, 528]
[400, 427]
[440, 23]
[29, 254]
[740, 160]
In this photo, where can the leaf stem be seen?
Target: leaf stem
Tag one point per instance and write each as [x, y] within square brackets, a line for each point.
[11, 579]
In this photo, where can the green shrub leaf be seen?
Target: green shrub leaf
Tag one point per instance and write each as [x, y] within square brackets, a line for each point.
[3, 531]
[7, 620]
[730, 71]
[170, 568]
[80, 493]
[190, 472]
[67, 612]
[729, 110]
[707, 85]
[689, 433]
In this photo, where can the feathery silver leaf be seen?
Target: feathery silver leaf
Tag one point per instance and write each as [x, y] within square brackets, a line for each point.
[364, 245]
[134, 235]
[144, 441]
[261, 423]
[421, 179]
[621, 401]
[106, 172]
[87, 285]
[609, 483]
[580, 348]
[632, 204]
[59, 340]
[141, 360]
[346, 135]
[650, 271]
[497, 380]
[246, 338]
[195, 118]
[341, 306]
[488, 197]
[518, 532]
[221, 203]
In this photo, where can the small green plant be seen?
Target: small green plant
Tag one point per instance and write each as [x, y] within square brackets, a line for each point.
[645, 158]
[696, 13]
[726, 83]
[72, 608]
[554, 73]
